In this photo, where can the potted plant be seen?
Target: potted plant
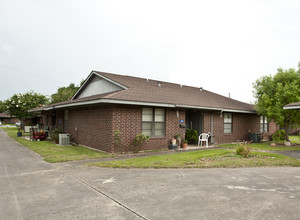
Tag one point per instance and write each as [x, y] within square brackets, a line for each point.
[173, 140]
[178, 138]
[191, 136]
[19, 133]
[184, 144]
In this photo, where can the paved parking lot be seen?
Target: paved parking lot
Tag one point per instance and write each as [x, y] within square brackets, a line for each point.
[30, 188]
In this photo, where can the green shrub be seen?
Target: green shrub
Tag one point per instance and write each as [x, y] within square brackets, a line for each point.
[191, 136]
[279, 136]
[243, 149]
[177, 136]
[54, 134]
[138, 142]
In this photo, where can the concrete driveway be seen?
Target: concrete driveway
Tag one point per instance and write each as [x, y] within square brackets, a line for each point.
[33, 189]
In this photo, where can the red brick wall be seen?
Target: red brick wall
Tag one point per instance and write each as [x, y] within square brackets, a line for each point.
[10, 120]
[128, 120]
[59, 119]
[242, 125]
[91, 126]
[172, 128]
[95, 126]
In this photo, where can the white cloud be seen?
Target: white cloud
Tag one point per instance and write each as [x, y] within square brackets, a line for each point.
[7, 48]
[222, 46]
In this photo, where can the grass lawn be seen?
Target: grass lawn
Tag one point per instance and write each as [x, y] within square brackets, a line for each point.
[295, 139]
[197, 159]
[202, 159]
[266, 146]
[53, 153]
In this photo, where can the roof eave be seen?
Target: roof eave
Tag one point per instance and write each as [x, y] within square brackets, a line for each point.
[291, 107]
[128, 102]
[217, 109]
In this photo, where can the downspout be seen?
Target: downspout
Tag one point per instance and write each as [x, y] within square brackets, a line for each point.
[211, 124]
[212, 127]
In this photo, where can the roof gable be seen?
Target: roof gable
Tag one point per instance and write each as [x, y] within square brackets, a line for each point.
[97, 85]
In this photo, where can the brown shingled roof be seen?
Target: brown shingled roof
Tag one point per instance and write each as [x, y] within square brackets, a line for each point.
[294, 104]
[4, 115]
[144, 90]
[140, 90]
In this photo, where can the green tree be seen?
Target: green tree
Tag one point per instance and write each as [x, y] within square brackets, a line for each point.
[19, 104]
[272, 93]
[65, 93]
[2, 106]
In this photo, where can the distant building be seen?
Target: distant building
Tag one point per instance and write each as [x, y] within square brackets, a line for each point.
[7, 119]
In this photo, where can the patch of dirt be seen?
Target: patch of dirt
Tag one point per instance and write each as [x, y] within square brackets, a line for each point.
[250, 157]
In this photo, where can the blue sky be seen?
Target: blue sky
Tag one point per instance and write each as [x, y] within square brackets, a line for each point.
[222, 46]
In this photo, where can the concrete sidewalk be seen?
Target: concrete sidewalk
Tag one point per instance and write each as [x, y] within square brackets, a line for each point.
[33, 189]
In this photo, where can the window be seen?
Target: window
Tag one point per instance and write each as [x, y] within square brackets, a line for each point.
[153, 122]
[227, 123]
[264, 125]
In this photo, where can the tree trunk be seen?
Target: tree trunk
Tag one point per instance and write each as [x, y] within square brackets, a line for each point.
[286, 129]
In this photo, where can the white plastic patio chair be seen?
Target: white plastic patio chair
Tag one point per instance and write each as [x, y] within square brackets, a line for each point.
[203, 138]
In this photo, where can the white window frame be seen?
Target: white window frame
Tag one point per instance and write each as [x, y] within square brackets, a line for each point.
[227, 123]
[264, 124]
[154, 122]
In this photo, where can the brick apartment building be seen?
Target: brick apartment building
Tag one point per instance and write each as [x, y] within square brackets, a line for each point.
[8, 119]
[106, 102]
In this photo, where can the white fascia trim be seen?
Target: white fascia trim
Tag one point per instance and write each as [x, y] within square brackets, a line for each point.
[291, 107]
[112, 101]
[216, 109]
[49, 108]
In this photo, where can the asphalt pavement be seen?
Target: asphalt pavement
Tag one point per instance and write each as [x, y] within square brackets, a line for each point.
[31, 188]
[290, 153]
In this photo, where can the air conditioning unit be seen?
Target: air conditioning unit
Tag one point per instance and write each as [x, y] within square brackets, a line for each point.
[64, 139]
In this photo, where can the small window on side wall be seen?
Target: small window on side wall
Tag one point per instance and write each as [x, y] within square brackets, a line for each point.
[227, 123]
[264, 125]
